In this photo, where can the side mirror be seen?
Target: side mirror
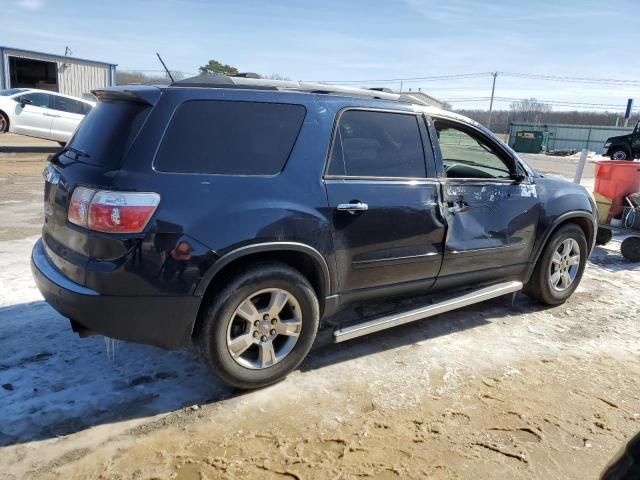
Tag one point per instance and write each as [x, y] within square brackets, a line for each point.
[25, 101]
[519, 177]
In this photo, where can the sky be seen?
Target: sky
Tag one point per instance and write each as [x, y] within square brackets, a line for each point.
[358, 41]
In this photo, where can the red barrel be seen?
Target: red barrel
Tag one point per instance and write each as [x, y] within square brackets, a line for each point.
[615, 179]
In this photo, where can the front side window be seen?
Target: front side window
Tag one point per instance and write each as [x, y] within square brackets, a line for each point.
[377, 144]
[230, 138]
[67, 105]
[468, 156]
[37, 99]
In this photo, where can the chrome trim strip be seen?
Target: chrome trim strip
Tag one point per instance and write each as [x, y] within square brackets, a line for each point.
[49, 271]
[408, 258]
[342, 334]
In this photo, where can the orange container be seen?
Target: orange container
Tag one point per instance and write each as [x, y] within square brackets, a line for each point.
[615, 179]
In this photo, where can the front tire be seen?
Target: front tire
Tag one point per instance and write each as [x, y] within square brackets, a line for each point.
[260, 327]
[560, 268]
[620, 154]
[4, 123]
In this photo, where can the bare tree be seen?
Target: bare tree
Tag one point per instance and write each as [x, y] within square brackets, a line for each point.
[528, 110]
[275, 76]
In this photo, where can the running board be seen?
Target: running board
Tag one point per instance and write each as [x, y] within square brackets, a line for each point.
[342, 334]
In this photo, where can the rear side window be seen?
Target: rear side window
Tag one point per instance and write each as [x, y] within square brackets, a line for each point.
[67, 105]
[230, 138]
[377, 144]
[108, 130]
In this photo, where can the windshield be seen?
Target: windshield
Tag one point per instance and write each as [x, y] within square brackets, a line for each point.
[11, 91]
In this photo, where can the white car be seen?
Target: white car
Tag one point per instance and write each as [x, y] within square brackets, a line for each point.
[40, 113]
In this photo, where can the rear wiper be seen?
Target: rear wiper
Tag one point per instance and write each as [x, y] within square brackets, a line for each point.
[77, 151]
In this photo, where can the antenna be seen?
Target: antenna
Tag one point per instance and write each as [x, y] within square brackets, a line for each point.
[165, 67]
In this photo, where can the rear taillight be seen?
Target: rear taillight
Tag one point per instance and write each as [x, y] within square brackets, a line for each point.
[112, 212]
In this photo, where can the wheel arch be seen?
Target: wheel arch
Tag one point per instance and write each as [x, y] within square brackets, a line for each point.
[304, 258]
[582, 219]
[6, 117]
[619, 146]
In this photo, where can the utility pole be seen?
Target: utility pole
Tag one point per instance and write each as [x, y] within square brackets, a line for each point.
[493, 89]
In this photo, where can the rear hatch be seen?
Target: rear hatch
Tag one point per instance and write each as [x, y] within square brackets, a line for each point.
[92, 158]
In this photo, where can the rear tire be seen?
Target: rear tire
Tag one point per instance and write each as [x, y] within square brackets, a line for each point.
[247, 338]
[560, 267]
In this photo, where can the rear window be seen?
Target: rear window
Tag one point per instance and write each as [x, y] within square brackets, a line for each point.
[107, 131]
[230, 138]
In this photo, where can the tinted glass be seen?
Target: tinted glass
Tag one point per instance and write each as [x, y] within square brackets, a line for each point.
[37, 99]
[377, 144]
[86, 108]
[67, 105]
[232, 138]
[467, 156]
[107, 132]
[10, 91]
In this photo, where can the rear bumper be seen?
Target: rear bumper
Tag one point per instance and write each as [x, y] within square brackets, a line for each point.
[165, 322]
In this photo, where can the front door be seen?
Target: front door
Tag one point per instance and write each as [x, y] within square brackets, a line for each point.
[492, 207]
[33, 115]
[384, 208]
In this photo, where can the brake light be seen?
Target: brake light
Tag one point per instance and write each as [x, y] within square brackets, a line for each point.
[112, 212]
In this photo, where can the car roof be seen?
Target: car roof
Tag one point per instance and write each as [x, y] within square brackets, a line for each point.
[28, 89]
[348, 96]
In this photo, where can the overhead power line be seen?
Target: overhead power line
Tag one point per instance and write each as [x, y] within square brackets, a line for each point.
[531, 76]
[610, 106]
[408, 79]
[560, 78]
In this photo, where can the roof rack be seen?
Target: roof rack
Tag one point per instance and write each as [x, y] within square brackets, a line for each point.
[247, 81]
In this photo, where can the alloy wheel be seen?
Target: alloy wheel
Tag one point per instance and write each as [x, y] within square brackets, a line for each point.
[619, 155]
[565, 264]
[264, 328]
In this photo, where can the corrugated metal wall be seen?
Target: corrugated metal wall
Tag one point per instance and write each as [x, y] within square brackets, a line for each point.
[561, 137]
[75, 77]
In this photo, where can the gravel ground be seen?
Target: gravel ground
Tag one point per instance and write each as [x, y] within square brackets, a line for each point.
[499, 390]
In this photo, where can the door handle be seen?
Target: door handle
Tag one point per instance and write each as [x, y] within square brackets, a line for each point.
[353, 207]
[458, 206]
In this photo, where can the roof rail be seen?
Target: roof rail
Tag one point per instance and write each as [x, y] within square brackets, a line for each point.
[248, 82]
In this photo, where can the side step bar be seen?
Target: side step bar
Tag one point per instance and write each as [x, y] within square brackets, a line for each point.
[342, 334]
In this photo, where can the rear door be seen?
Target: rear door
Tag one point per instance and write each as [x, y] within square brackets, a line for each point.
[635, 141]
[34, 116]
[384, 208]
[68, 113]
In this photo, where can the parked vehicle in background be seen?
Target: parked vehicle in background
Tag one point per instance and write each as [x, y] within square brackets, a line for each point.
[41, 113]
[241, 215]
[623, 147]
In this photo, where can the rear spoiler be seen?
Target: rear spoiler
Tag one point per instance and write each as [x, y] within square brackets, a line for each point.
[132, 93]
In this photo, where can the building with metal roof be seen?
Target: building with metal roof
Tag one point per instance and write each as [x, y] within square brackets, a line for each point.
[57, 73]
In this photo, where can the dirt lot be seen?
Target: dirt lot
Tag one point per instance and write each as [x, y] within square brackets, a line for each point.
[498, 390]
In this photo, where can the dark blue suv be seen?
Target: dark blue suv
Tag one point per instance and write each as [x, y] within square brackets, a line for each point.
[241, 215]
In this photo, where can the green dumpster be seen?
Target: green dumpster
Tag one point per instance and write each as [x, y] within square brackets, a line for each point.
[528, 141]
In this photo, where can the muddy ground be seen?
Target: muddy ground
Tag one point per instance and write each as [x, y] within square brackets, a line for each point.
[498, 390]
